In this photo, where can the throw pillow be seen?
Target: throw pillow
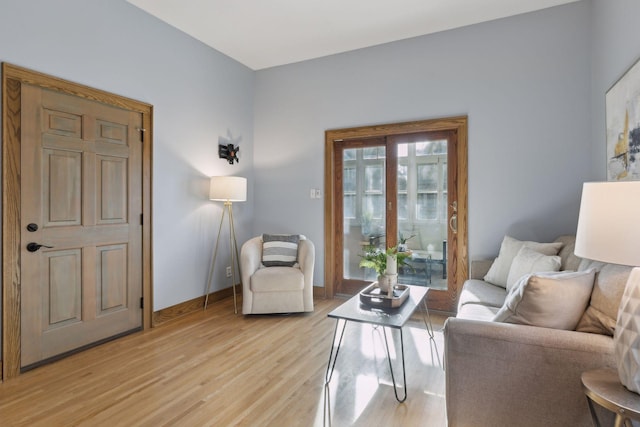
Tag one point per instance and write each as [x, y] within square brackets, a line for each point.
[569, 260]
[529, 261]
[279, 250]
[499, 271]
[602, 312]
[549, 300]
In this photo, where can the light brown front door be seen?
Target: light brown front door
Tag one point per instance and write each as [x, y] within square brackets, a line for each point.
[81, 199]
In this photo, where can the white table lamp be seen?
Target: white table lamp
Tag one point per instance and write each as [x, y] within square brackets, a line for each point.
[609, 231]
[227, 189]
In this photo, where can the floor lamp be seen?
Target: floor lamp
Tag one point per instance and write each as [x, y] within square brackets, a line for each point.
[227, 189]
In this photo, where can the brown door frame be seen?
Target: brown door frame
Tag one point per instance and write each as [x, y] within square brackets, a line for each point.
[13, 78]
[458, 266]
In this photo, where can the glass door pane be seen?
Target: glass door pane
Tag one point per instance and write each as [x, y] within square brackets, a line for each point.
[364, 199]
[422, 212]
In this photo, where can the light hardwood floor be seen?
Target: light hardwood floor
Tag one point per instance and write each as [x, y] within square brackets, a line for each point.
[215, 368]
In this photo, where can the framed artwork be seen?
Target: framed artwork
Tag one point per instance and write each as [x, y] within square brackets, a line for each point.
[623, 127]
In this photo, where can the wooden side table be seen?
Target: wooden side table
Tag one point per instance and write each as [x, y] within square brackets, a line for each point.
[603, 387]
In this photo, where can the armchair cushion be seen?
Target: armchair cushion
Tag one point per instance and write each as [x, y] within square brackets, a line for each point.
[279, 250]
[277, 279]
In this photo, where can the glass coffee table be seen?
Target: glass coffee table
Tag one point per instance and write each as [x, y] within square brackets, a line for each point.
[394, 318]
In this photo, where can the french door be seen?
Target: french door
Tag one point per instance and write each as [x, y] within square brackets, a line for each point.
[398, 185]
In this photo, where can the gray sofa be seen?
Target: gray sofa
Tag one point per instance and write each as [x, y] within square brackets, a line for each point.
[505, 374]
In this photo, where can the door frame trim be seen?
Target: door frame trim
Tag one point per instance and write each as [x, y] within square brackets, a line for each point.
[438, 300]
[13, 77]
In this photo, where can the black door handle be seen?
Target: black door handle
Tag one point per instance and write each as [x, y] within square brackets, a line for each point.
[34, 247]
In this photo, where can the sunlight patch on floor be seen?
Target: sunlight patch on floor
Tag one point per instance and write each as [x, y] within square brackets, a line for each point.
[372, 342]
[366, 386]
[429, 352]
[431, 393]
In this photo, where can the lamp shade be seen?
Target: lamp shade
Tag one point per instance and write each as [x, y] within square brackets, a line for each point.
[609, 222]
[228, 188]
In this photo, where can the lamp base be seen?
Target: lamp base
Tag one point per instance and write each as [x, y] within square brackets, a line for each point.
[233, 249]
[626, 338]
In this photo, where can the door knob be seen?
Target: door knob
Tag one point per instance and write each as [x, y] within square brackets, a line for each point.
[34, 247]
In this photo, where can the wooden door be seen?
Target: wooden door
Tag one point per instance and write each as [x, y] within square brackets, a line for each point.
[81, 198]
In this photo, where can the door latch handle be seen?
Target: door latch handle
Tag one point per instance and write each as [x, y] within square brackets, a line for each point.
[453, 221]
[34, 247]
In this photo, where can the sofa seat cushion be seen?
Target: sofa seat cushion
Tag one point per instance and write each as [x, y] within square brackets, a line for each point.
[277, 279]
[471, 311]
[480, 292]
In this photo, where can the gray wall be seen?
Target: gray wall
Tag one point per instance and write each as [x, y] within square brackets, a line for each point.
[523, 81]
[198, 96]
[615, 48]
[532, 85]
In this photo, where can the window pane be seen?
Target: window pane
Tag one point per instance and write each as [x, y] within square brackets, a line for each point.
[428, 177]
[427, 206]
[428, 148]
[422, 149]
[349, 154]
[439, 147]
[364, 208]
[373, 206]
[349, 180]
[370, 153]
[373, 181]
[373, 153]
[444, 203]
[349, 203]
[403, 208]
[403, 171]
[403, 150]
[444, 177]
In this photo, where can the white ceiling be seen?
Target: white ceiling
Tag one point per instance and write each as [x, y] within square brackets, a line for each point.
[267, 33]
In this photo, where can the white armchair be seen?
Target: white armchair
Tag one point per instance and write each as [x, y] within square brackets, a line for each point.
[276, 289]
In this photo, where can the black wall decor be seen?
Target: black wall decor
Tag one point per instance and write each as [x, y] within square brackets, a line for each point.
[229, 152]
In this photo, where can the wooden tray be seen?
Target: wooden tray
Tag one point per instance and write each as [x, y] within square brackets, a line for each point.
[374, 297]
